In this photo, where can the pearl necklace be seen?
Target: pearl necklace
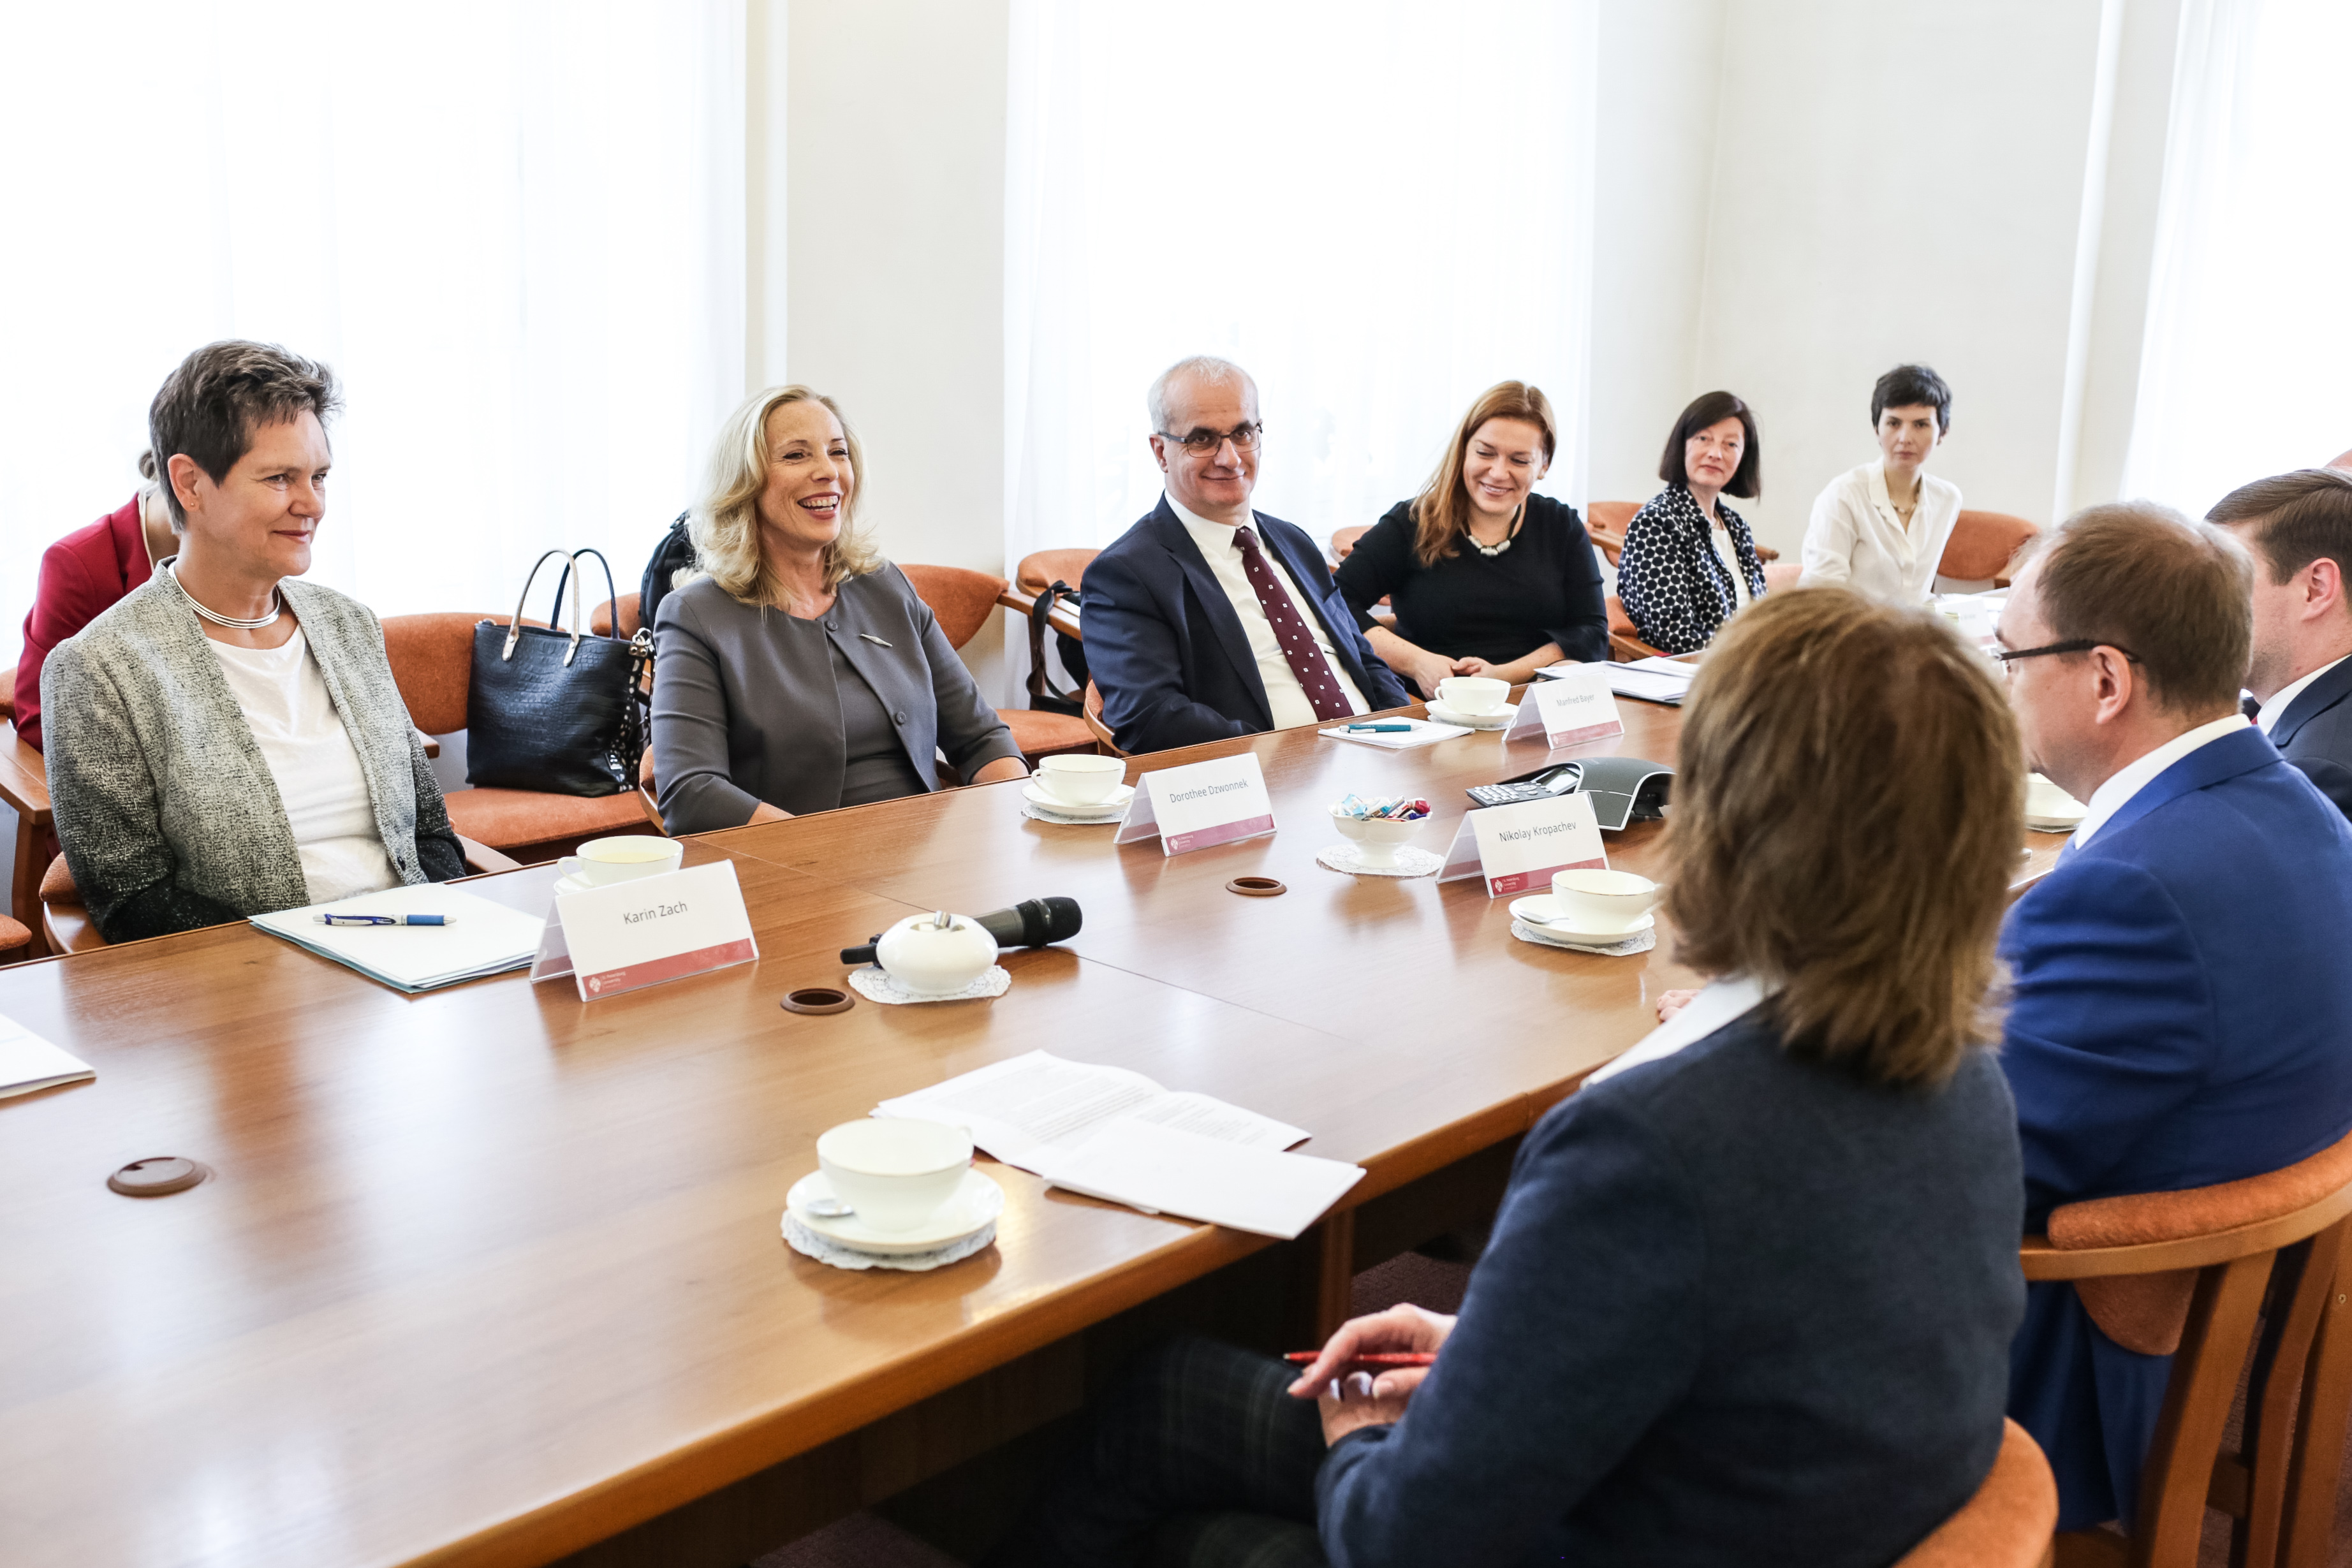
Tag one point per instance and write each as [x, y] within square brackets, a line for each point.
[1491, 552]
[276, 607]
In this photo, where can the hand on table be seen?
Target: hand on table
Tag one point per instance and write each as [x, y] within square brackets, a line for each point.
[1671, 1002]
[1431, 668]
[1354, 1399]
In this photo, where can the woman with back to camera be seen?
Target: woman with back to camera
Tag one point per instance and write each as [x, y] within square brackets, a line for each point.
[1689, 563]
[800, 671]
[1750, 1291]
[1488, 578]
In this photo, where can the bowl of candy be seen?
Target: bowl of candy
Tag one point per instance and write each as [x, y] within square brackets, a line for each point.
[1377, 824]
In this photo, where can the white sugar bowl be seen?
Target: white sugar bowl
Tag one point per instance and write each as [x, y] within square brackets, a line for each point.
[936, 955]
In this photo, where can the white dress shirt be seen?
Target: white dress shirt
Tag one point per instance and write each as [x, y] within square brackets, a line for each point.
[1284, 694]
[2134, 775]
[1721, 1003]
[2281, 699]
[1858, 539]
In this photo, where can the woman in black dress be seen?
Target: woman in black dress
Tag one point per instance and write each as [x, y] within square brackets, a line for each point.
[1488, 578]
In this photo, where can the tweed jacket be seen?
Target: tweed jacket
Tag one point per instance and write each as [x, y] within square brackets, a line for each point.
[168, 813]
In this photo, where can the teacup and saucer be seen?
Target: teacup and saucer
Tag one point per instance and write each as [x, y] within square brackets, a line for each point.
[1079, 787]
[891, 1187]
[1474, 702]
[1591, 908]
[2049, 808]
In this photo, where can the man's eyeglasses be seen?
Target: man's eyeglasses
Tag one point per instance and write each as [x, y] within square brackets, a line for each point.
[2009, 657]
[1204, 443]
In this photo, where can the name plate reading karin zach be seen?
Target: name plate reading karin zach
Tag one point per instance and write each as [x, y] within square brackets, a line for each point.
[628, 934]
[1574, 706]
[1517, 847]
[1200, 804]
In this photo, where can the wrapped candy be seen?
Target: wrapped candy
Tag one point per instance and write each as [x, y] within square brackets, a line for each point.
[1387, 808]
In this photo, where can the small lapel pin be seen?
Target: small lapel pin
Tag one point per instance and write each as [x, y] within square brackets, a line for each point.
[873, 639]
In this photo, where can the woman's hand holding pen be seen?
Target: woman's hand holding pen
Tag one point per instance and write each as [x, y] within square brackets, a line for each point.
[1351, 1397]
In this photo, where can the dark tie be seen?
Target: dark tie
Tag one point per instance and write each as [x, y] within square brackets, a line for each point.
[1307, 660]
[2249, 707]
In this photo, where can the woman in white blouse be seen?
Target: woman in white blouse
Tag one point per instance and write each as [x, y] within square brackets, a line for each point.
[1882, 527]
[224, 740]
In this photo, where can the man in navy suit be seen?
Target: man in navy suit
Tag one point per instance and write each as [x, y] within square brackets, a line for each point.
[2182, 1014]
[2299, 527]
[1206, 620]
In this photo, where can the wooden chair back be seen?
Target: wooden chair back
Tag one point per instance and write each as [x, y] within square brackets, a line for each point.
[1090, 709]
[1039, 571]
[8, 693]
[1625, 644]
[963, 599]
[1343, 540]
[625, 610]
[1604, 523]
[2007, 1523]
[1982, 545]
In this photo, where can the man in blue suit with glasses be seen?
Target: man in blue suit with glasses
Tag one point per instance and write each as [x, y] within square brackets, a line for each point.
[2183, 1011]
[1207, 620]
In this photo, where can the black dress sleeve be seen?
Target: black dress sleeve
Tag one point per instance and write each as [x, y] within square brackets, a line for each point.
[1583, 634]
[1379, 565]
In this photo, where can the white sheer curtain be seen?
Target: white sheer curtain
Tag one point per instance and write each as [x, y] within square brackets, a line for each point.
[2242, 368]
[1377, 209]
[514, 229]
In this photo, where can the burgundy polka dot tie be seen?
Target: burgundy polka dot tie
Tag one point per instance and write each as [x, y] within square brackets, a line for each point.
[1307, 660]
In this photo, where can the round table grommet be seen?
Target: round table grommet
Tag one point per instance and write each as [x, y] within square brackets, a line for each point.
[1257, 887]
[158, 1176]
[817, 1001]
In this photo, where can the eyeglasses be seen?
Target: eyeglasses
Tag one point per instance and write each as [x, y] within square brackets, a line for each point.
[1204, 443]
[2009, 657]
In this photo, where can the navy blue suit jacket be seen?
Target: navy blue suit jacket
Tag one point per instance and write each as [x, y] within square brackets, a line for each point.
[1169, 653]
[2316, 734]
[2182, 1016]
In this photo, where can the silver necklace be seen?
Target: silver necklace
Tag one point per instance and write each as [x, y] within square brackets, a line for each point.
[1491, 552]
[276, 607]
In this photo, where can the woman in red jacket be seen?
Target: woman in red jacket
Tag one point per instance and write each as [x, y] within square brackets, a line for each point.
[82, 574]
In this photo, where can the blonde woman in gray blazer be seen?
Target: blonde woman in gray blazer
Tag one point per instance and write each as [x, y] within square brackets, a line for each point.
[798, 671]
[225, 741]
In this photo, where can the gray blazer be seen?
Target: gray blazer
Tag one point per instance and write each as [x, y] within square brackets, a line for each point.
[166, 808]
[738, 720]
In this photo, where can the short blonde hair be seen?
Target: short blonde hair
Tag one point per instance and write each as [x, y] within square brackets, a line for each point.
[1848, 806]
[725, 527]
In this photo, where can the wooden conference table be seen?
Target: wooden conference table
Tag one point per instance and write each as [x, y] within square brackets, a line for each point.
[489, 1276]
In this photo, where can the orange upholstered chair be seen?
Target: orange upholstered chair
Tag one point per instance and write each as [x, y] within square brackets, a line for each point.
[1343, 540]
[1981, 546]
[2007, 1523]
[1604, 523]
[433, 663]
[963, 600]
[2184, 1274]
[1625, 644]
[602, 621]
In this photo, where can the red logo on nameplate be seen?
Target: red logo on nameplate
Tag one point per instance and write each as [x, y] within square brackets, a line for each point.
[612, 982]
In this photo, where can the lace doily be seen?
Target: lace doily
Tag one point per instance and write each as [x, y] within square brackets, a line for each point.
[878, 984]
[1639, 942]
[1037, 813]
[1411, 862]
[809, 1244]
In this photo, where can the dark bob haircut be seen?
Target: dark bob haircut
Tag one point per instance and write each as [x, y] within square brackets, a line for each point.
[1714, 408]
[1912, 386]
[209, 408]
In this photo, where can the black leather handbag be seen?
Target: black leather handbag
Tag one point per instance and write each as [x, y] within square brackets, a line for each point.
[564, 713]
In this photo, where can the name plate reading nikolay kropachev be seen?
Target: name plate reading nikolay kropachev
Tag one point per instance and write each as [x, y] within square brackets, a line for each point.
[627, 935]
[1201, 804]
[1517, 847]
[1569, 709]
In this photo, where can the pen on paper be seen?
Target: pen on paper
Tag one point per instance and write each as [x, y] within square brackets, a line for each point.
[385, 920]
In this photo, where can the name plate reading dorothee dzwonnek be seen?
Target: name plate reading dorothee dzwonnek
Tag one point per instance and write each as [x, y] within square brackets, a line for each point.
[1517, 847]
[628, 934]
[1201, 804]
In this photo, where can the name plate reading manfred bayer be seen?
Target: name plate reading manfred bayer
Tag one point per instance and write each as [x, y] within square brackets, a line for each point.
[1201, 804]
[1572, 708]
[1517, 847]
[628, 934]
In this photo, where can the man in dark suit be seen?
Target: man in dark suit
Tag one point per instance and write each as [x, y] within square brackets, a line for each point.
[2299, 527]
[1207, 620]
[2181, 1015]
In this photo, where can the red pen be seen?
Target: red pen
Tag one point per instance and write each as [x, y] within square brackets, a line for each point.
[1369, 1358]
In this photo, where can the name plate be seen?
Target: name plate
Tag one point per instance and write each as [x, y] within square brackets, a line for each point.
[1201, 804]
[1568, 710]
[1517, 847]
[629, 934]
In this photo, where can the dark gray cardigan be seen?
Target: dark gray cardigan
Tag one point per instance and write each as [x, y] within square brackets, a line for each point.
[739, 720]
[167, 810]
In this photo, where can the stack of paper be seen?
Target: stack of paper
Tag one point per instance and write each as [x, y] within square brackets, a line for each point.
[481, 938]
[1664, 681]
[29, 1062]
[1421, 732]
[1115, 1135]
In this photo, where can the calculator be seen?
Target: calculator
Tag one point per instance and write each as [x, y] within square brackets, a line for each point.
[1543, 784]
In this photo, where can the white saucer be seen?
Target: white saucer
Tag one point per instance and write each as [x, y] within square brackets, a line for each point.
[570, 884]
[1542, 912]
[1499, 719]
[1045, 799]
[977, 1203]
[2065, 824]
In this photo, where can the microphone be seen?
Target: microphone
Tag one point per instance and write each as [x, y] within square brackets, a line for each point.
[1033, 923]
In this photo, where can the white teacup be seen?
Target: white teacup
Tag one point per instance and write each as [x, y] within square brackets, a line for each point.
[894, 1171]
[1475, 696]
[604, 861]
[1596, 900]
[1079, 780]
[2045, 801]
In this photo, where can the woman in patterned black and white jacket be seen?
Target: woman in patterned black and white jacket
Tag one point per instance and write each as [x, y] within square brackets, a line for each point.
[1689, 562]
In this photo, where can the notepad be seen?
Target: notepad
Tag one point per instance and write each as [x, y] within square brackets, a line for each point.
[29, 1062]
[481, 938]
[1659, 682]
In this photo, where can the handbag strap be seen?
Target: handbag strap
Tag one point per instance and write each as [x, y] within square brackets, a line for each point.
[611, 591]
[514, 628]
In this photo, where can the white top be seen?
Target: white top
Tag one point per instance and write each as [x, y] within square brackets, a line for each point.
[1284, 694]
[2276, 709]
[1857, 538]
[2134, 775]
[1726, 553]
[1718, 1004]
[314, 764]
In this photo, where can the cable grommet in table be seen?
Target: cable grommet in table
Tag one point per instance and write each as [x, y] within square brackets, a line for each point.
[158, 1176]
[1257, 887]
[817, 1001]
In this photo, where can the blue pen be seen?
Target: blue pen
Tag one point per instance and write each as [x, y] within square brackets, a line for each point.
[383, 920]
[1380, 728]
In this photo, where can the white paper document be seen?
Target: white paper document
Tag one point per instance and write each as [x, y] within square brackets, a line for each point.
[1424, 732]
[29, 1062]
[1651, 684]
[481, 938]
[1166, 1170]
